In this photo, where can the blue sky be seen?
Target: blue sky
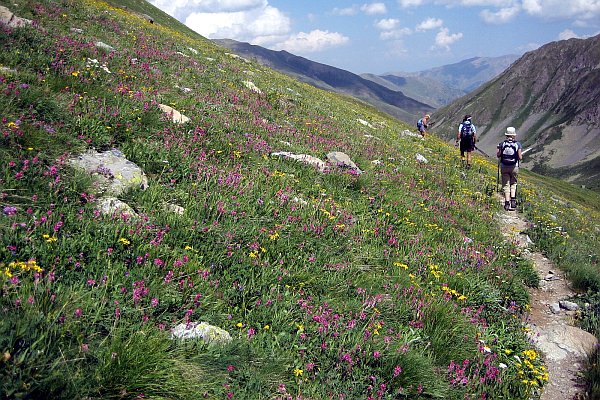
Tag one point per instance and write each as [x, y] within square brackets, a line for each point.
[390, 36]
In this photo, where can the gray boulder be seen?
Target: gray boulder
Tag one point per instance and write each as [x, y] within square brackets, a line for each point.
[9, 19]
[113, 207]
[303, 158]
[342, 160]
[112, 170]
[208, 333]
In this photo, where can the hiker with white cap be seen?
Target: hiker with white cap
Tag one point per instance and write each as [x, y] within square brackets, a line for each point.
[509, 154]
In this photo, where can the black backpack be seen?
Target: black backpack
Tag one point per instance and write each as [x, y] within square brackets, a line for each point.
[509, 153]
[466, 131]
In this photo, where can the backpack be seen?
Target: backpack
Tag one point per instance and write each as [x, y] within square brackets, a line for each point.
[509, 153]
[466, 131]
[420, 124]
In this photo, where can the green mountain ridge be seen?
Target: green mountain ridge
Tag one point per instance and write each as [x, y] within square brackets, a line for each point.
[391, 283]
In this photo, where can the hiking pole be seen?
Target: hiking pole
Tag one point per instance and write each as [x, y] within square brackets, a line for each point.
[498, 177]
[481, 151]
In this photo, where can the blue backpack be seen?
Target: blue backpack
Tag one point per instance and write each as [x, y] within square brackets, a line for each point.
[509, 153]
[420, 125]
[466, 131]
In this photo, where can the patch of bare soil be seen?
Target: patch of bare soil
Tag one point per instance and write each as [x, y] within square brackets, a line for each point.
[564, 347]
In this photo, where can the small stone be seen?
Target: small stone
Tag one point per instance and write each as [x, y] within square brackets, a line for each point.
[555, 308]
[569, 305]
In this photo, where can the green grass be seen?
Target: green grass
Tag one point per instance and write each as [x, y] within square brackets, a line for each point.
[392, 284]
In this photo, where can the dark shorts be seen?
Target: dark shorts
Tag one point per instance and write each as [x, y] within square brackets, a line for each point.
[467, 144]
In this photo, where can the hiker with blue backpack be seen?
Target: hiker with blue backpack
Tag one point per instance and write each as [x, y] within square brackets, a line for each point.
[422, 125]
[509, 154]
[467, 136]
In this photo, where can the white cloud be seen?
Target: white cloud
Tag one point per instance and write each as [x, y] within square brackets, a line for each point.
[312, 42]
[550, 9]
[502, 16]
[347, 11]
[387, 24]
[444, 39]
[410, 3]
[395, 34]
[429, 23]
[181, 9]
[251, 26]
[373, 8]
[567, 34]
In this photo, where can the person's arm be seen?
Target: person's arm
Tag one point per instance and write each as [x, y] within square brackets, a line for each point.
[498, 151]
[458, 133]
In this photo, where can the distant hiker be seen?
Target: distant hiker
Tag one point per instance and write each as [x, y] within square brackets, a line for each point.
[422, 125]
[467, 135]
[509, 154]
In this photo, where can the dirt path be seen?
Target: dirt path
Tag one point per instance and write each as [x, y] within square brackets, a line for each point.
[564, 346]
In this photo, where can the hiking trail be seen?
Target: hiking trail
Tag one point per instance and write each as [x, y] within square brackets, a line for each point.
[564, 347]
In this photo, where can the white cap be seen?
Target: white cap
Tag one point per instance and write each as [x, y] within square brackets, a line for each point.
[510, 131]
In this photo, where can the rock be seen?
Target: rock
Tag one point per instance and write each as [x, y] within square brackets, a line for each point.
[568, 305]
[555, 308]
[174, 208]
[365, 123]
[559, 341]
[252, 86]
[111, 206]
[112, 170]
[343, 160]
[9, 19]
[421, 159]
[176, 116]
[209, 333]
[408, 133]
[104, 46]
[76, 30]
[8, 70]
[304, 158]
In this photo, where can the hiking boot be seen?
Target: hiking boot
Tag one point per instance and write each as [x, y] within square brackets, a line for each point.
[513, 203]
[507, 205]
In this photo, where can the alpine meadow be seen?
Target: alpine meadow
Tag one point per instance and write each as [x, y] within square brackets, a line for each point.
[261, 239]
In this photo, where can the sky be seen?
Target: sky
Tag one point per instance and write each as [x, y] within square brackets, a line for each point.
[390, 36]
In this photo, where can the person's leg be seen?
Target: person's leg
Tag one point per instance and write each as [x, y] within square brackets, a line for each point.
[506, 188]
[513, 189]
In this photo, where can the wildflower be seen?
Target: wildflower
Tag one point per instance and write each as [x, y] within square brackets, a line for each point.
[400, 265]
[298, 372]
[124, 241]
[9, 210]
[266, 327]
[75, 73]
[239, 325]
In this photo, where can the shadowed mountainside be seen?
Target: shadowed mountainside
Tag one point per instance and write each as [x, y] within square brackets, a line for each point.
[337, 80]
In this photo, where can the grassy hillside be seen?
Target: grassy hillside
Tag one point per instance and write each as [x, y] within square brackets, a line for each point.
[394, 283]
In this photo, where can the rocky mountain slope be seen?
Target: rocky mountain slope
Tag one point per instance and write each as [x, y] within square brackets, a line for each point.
[389, 100]
[441, 85]
[552, 96]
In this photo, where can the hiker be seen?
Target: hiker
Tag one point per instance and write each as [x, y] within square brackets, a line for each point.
[509, 154]
[467, 137]
[422, 124]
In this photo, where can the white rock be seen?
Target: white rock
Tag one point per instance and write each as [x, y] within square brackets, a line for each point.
[209, 333]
